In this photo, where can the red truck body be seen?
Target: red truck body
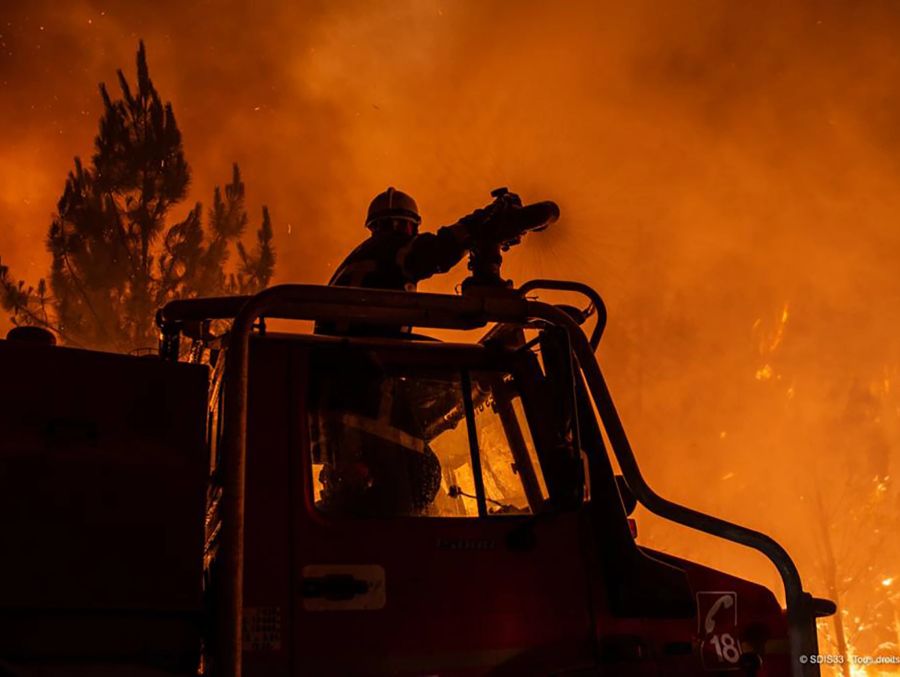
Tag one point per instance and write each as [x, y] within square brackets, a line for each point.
[122, 492]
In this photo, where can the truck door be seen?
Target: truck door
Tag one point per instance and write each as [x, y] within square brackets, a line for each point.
[425, 541]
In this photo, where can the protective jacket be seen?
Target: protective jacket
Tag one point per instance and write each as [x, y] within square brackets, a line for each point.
[396, 260]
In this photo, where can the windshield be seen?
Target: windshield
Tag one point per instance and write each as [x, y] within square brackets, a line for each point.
[404, 440]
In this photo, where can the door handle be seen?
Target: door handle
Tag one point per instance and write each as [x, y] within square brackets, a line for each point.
[334, 587]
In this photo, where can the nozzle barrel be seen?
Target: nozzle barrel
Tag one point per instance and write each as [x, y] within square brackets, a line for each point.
[536, 216]
[485, 251]
[551, 209]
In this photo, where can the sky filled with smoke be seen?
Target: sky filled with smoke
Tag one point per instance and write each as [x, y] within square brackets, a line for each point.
[727, 174]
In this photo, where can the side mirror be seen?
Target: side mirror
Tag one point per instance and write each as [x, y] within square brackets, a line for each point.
[629, 502]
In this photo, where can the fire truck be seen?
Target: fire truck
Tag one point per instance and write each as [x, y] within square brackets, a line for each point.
[268, 501]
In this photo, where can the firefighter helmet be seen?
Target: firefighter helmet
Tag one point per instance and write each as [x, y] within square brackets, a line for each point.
[392, 204]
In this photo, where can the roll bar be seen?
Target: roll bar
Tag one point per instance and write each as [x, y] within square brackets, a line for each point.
[314, 302]
[596, 306]
[800, 604]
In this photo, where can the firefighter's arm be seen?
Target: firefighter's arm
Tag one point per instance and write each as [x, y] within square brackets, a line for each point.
[431, 253]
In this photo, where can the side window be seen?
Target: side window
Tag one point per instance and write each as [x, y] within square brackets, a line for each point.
[457, 495]
[375, 429]
[393, 440]
[513, 481]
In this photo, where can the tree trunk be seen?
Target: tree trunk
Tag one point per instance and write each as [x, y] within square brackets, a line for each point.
[831, 582]
[839, 635]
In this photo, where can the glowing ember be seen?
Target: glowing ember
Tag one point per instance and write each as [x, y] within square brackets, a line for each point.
[764, 373]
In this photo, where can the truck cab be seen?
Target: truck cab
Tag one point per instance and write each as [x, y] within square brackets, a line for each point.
[415, 506]
[375, 504]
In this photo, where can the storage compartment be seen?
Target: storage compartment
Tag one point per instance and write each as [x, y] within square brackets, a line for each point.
[103, 470]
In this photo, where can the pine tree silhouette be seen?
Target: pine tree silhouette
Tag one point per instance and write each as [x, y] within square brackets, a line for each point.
[115, 259]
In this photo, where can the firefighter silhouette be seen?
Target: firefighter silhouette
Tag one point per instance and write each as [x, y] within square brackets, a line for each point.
[370, 431]
[397, 256]
[376, 460]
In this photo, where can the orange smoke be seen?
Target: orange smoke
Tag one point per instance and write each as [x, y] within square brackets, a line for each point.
[712, 161]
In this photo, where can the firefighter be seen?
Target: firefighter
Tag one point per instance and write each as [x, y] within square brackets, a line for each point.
[396, 255]
[373, 463]
[375, 455]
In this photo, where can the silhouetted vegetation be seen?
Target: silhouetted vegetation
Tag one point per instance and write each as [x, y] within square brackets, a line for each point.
[116, 256]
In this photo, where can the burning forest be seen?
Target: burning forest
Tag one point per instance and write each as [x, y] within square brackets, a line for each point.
[726, 178]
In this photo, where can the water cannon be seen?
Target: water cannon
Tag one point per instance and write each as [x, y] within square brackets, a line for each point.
[495, 229]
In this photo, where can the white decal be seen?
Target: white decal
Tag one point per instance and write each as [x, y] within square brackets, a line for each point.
[717, 627]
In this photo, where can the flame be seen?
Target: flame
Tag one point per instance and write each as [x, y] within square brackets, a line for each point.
[769, 342]
[702, 181]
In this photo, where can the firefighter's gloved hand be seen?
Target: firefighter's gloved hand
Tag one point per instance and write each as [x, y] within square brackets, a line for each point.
[481, 224]
[512, 220]
[475, 220]
[504, 221]
[469, 228]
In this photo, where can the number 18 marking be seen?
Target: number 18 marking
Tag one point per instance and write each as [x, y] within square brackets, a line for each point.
[726, 647]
